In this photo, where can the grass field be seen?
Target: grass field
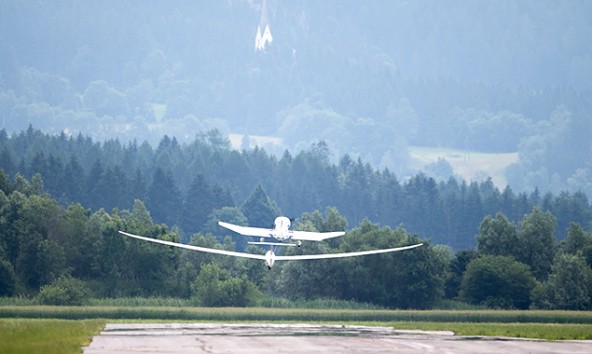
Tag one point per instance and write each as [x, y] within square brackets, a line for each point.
[49, 329]
[548, 331]
[293, 314]
[46, 336]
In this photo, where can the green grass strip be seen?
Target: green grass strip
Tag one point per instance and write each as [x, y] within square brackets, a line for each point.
[283, 314]
[27, 335]
[46, 335]
[548, 331]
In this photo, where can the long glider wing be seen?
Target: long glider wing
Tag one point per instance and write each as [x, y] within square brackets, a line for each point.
[277, 258]
[196, 248]
[247, 230]
[343, 255]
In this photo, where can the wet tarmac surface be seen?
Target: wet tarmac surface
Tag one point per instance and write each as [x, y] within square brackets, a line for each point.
[304, 338]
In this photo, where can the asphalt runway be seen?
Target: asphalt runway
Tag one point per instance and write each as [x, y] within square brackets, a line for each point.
[303, 338]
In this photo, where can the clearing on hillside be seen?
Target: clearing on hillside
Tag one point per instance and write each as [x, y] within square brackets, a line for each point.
[469, 165]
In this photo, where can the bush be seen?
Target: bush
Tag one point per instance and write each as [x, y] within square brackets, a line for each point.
[497, 282]
[65, 291]
[214, 287]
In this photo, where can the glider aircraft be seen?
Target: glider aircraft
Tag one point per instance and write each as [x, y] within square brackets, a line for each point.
[281, 235]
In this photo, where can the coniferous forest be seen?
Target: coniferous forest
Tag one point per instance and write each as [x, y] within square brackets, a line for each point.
[63, 199]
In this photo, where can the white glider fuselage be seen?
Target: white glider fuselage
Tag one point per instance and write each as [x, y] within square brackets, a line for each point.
[281, 234]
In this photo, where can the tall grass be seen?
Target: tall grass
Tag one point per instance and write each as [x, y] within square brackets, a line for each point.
[292, 314]
[271, 302]
[18, 301]
[143, 302]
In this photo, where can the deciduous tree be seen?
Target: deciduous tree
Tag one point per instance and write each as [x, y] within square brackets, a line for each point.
[497, 281]
[537, 242]
[498, 237]
[569, 286]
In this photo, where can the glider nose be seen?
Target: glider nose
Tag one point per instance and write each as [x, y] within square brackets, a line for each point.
[269, 258]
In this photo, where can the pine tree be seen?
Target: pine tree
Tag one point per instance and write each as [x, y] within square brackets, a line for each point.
[164, 198]
[259, 209]
[197, 206]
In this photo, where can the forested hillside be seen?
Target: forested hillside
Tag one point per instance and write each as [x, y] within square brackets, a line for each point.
[369, 78]
[66, 255]
[193, 185]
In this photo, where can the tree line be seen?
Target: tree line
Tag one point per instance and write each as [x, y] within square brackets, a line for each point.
[184, 184]
[44, 246]
[63, 255]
